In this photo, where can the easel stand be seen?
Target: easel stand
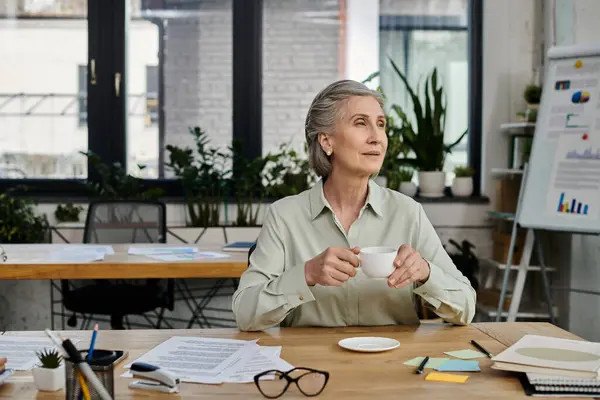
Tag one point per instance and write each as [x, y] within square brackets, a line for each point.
[531, 241]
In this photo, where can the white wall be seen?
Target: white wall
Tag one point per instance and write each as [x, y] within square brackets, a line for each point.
[508, 66]
[362, 39]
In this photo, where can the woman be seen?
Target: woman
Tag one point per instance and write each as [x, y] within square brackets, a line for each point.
[303, 271]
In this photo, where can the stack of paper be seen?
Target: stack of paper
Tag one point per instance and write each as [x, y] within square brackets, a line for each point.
[552, 356]
[20, 351]
[175, 253]
[214, 361]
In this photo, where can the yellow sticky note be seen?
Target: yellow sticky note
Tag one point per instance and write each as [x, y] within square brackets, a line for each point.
[439, 377]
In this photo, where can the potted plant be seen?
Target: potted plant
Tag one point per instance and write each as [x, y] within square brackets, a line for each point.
[19, 222]
[67, 212]
[50, 375]
[462, 185]
[204, 178]
[532, 96]
[407, 186]
[426, 138]
[247, 185]
[286, 173]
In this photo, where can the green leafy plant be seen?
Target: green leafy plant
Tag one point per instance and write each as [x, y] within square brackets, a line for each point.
[67, 212]
[116, 184]
[286, 173]
[50, 358]
[425, 139]
[405, 174]
[463, 171]
[19, 222]
[465, 260]
[533, 94]
[247, 185]
[204, 177]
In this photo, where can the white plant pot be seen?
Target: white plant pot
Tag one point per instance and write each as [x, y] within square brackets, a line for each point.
[462, 187]
[408, 188]
[49, 379]
[432, 183]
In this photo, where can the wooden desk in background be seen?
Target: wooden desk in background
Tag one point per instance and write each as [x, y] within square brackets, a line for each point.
[352, 375]
[118, 266]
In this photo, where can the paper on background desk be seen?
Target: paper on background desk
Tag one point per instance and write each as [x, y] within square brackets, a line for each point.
[20, 350]
[146, 251]
[203, 255]
[62, 253]
[230, 360]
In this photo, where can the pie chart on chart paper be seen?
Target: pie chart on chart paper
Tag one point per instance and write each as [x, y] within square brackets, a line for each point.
[580, 96]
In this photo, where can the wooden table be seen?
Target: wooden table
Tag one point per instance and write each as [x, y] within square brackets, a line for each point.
[352, 375]
[32, 262]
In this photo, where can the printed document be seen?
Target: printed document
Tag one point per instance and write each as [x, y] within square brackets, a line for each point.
[20, 351]
[199, 360]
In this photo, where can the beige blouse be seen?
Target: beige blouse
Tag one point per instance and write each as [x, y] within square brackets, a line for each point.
[273, 290]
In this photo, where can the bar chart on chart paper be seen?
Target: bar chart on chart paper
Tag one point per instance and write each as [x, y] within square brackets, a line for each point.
[571, 206]
[575, 177]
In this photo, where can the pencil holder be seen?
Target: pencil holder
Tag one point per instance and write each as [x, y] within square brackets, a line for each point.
[102, 363]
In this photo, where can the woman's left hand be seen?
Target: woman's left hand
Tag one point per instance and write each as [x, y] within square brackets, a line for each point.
[410, 267]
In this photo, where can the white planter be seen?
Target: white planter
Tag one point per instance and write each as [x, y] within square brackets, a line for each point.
[49, 379]
[432, 184]
[462, 187]
[408, 188]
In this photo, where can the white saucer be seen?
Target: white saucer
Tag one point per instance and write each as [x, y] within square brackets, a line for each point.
[369, 344]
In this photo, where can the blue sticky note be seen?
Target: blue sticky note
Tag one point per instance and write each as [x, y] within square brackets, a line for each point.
[459, 365]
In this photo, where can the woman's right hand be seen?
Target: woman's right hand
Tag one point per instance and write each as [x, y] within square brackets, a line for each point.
[332, 267]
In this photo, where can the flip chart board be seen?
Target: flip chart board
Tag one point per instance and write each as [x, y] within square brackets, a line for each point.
[562, 186]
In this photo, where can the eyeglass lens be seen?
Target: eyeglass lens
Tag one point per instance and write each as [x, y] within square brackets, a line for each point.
[274, 383]
[311, 383]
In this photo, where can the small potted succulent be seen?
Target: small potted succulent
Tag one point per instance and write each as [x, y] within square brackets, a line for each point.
[49, 376]
[462, 186]
[407, 186]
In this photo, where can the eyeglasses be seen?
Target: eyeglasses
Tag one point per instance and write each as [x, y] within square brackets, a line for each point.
[273, 383]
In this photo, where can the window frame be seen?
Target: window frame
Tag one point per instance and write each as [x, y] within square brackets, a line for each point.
[106, 117]
[473, 25]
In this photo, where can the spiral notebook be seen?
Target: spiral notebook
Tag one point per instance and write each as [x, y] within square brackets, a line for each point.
[559, 386]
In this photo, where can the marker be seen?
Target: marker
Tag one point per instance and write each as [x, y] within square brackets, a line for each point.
[481, 348]
[422, 366]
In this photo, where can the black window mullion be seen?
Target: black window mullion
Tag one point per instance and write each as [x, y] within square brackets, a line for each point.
[247, 76]
[106, 58]
[475, 91]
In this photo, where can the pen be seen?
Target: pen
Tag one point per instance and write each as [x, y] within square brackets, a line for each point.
[69, 348]
[423, 363]
[481, 348]
[84, 389]
[92, 343]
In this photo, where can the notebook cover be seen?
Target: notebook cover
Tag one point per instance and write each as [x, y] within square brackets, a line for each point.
[558, 355]
[238, 246]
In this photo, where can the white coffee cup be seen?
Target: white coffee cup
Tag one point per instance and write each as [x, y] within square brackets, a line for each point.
[377, 262]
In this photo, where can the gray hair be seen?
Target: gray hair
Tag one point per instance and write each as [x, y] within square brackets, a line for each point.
[325, 110]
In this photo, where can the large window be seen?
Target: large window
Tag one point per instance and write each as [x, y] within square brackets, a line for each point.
[42, 98]
[125, 79]
[419, 43]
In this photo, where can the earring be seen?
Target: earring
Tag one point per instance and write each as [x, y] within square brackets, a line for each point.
[328, 152]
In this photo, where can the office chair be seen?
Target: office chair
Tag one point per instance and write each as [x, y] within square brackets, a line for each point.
[115, 222]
